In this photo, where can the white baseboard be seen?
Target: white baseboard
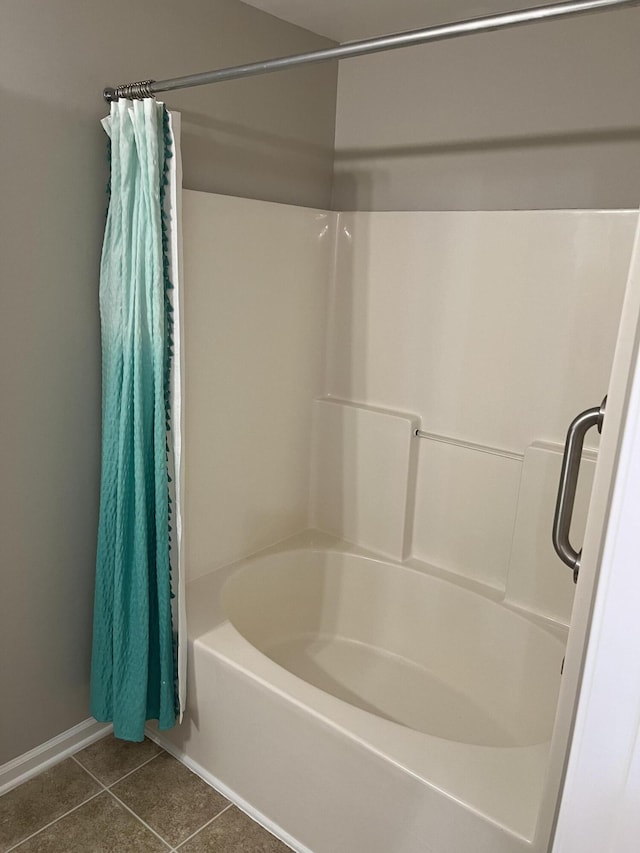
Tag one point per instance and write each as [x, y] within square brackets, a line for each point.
[232, 796]
[31, 763]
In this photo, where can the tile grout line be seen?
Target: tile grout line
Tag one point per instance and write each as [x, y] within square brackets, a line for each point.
[51, 822]
[137, 817]
[107, 789]
[204, 825]
[89, 773]
[126, 775]
[120, 778]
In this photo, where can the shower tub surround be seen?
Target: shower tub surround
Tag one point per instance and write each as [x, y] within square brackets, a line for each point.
[386, 680]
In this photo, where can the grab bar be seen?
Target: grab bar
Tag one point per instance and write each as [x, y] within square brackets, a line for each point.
[568, 481]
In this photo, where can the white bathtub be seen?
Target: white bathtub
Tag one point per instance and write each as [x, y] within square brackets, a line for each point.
[360, 706]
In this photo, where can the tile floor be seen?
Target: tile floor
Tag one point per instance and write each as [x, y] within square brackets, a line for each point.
[119, 797]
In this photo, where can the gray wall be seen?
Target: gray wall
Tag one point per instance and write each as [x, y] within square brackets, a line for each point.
[268, 138]
[546, 116]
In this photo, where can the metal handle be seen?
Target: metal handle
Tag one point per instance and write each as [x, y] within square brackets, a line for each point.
[568, 482]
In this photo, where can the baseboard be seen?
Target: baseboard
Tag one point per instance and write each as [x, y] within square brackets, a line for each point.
[19, 769]
[154, 735]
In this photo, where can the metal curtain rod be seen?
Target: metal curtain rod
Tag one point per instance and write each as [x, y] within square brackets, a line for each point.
[348, 50]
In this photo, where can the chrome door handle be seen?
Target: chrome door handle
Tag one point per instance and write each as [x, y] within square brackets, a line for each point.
[568, 481]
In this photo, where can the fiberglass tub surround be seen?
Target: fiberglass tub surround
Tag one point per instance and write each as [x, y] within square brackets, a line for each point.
[397, 690]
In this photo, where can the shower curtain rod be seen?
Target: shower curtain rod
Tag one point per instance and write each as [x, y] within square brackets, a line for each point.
[348, 50]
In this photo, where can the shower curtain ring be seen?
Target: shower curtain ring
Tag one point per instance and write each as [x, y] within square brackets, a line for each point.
[141, 89]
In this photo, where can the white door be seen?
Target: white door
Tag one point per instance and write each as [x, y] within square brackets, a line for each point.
[599, 805]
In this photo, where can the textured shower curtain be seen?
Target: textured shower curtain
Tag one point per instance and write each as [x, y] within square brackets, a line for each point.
[137, 671]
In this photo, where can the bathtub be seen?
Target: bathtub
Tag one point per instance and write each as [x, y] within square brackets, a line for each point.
[355, 705]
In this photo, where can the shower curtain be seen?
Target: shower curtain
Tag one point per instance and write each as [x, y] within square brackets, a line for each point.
[138, 660]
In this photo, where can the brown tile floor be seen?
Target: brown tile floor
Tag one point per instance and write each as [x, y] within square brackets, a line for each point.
[119, 797]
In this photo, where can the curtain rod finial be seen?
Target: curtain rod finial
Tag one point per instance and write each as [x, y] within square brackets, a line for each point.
[109, 94]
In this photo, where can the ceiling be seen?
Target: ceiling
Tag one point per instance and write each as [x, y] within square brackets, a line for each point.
[349, 20]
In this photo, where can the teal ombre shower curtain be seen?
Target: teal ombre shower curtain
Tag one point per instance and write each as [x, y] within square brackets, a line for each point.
[138, 628]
